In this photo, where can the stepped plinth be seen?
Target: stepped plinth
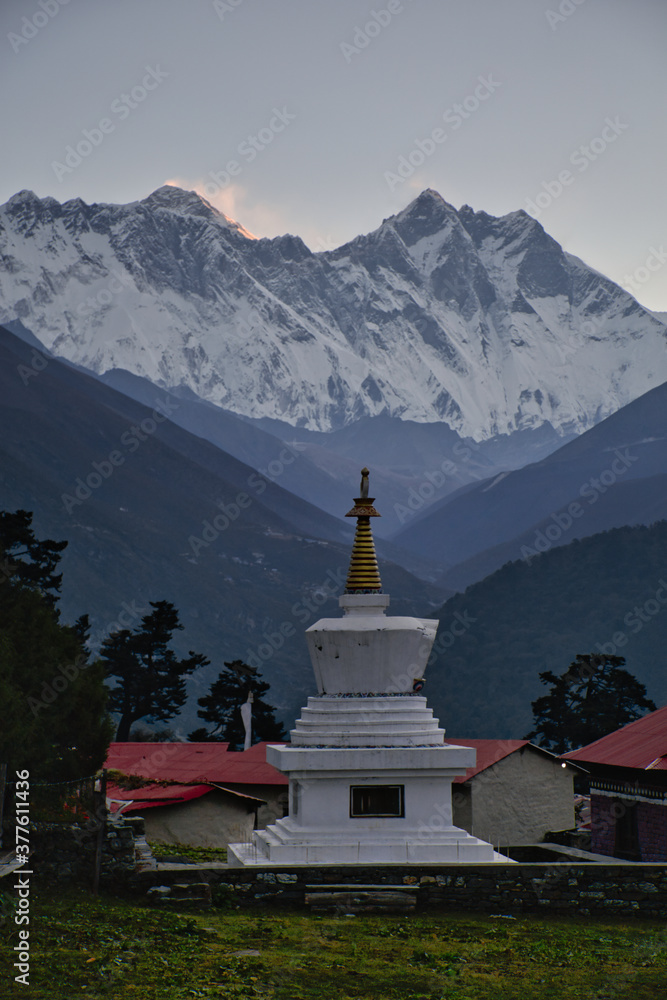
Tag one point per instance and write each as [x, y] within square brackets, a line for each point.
[370, 774]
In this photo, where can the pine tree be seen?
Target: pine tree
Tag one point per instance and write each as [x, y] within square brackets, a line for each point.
[594, 697]
[26, 561]
[222, 707]
[53, 697]
[151, 683]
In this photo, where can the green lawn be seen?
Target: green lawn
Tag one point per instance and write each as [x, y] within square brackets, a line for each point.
[199, 855]
[112, 948]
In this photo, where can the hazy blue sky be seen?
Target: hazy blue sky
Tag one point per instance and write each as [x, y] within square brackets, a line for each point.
[315, 102]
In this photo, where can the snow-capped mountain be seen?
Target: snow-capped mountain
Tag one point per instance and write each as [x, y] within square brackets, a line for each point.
[438, 315]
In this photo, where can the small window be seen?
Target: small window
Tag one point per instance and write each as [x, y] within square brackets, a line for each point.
[376, 800]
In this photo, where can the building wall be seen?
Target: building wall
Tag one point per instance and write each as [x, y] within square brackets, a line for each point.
[651, 818]
[603, 824]
[214, 820]
[275, 802]
[520, 799]
[652, 831]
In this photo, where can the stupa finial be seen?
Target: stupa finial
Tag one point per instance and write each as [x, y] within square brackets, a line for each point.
[363, 575]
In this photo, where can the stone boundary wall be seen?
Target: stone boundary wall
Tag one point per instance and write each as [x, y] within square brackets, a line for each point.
[66, 851]
[588, 889]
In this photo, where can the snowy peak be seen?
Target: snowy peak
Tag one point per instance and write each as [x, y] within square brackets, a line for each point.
[428, 215]
[181, 202]
[437, 315]
[175, 199]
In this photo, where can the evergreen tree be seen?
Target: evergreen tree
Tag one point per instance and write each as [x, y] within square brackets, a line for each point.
[594, 697]
[55, 722]
[151, 683]
[26, 561]
[222, 707]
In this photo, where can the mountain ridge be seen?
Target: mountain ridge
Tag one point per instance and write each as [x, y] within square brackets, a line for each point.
[609, 476]
[439, 316]
[601, 594]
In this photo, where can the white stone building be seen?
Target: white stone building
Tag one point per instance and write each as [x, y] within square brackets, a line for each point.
[515, 794]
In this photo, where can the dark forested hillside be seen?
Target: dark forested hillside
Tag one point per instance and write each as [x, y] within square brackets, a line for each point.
[611, 475]
[152, 512]
[603, 593]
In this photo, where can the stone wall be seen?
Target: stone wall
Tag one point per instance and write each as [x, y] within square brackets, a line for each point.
[63, 851]
[587, 889]
[66, 851]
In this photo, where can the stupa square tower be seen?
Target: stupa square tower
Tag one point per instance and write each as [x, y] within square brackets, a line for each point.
[370, 774]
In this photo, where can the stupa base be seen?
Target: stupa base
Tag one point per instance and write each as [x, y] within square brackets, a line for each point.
[280, 845]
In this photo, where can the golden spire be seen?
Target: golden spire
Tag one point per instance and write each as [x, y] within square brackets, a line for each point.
[363, 575]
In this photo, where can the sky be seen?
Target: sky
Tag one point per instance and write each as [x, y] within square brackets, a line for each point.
[323, 117]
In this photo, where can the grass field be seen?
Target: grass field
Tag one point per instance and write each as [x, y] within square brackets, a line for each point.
[113, 948]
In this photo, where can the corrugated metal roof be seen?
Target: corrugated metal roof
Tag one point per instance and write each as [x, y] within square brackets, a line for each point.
[195, 763]
[153, 795]
[641, 744]
[162, 795]
[488, 752]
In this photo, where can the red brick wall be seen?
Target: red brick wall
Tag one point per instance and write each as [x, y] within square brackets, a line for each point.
[604, 813]
[652, 827]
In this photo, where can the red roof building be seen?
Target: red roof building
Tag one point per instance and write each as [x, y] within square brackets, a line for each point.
[628, 785]
[241, 790]
[489, 752]
[516, 793]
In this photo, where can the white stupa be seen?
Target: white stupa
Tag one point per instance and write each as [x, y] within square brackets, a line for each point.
[370, 774]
